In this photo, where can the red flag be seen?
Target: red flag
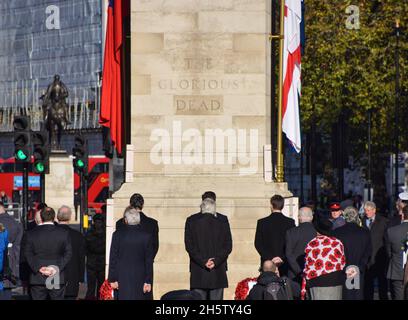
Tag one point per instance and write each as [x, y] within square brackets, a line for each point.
[111, 96]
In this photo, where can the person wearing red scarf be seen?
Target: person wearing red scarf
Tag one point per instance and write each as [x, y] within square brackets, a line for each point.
[323, 275]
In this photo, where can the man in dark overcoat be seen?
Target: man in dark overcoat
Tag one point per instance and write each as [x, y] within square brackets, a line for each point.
[208, 242]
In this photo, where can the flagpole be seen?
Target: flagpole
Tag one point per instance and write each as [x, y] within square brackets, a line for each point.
[279, 166]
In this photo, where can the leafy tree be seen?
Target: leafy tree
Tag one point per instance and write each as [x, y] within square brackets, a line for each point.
[351, 71]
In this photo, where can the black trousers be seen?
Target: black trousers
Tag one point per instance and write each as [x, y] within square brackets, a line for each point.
[397, 290]
[95, 280]
[370, 276]
[210, 294]
[42, 293]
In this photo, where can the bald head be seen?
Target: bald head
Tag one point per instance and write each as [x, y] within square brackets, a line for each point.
[268, 266]
[305, 215]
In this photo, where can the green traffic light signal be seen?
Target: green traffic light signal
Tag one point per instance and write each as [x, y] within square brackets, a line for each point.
[80, 164]
[39, 167]
[21, 155]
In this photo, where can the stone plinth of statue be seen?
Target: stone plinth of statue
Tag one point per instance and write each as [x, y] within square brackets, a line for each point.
[59, 183]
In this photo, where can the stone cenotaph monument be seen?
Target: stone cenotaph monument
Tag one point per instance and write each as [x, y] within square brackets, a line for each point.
[201, 121]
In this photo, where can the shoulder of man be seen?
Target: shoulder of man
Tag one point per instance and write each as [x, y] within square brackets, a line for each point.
[194, 217]
[222, 217]
[148, 219]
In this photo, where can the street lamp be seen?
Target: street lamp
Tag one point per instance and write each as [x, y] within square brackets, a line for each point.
[397, 101]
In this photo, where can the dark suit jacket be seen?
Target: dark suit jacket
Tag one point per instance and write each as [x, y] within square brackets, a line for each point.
[270, 236]
[377, 232]
[357, 245]
[47, 245]
[131, 262]
[394, 245]
[205, 237]
[75, 269]
[296, 240]
[147, 224]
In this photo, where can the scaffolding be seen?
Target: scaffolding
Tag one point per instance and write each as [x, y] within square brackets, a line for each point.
[31, 54]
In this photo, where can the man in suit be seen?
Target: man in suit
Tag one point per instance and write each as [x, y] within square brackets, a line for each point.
[270, 235]
[131, 259]
[357, 248]
[296, 240]
[75, 269]
[48, 251]
[208, 241]
[377, 225]
[396, 242]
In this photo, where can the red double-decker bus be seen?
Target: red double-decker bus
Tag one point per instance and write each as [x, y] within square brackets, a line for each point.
[98, 182]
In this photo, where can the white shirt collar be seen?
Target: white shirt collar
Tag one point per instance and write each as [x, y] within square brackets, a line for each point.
[45, 223]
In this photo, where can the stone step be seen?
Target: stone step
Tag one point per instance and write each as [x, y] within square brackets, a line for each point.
[233, 187]
[170, 277]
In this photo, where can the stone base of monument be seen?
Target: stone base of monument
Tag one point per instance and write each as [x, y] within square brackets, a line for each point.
[171, 199]
[59, 183]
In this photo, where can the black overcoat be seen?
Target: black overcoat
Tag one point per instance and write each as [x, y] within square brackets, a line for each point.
[208, 236]
[131, 262]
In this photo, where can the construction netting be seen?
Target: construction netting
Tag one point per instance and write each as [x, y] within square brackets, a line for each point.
[41, 38]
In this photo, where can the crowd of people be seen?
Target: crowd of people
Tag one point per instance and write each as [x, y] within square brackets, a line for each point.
[344, 254]
[50, 259]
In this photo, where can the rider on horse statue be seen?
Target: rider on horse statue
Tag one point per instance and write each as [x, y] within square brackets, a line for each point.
[55, 110]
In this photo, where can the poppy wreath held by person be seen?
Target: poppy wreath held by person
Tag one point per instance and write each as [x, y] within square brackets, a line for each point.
[242, 290]
[106, 291]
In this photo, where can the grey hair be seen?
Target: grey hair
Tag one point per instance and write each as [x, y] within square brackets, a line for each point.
[208, 206]
[64, 213]
[132, 216]
[305, 214]
[351, 215]
[370, 204]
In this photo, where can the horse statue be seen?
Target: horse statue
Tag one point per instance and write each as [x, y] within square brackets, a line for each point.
[55, 111]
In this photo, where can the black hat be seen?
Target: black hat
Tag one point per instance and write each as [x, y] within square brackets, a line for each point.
[322, 224]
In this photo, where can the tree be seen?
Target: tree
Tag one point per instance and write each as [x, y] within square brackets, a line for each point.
[351, 71]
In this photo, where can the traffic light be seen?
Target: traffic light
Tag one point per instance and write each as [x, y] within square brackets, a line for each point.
[22, 139]
[80, 153]
[41, 152]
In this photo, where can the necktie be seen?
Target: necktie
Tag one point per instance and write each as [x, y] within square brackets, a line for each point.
[370, 223]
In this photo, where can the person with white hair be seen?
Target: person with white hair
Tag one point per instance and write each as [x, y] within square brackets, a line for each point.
[377, 266]
[296, 240]
[357, 248]
[131, 259]
[208, 241]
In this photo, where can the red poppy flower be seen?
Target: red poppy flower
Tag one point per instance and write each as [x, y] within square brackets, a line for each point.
[324, 272]
[338, 267]
[310, 261]
[312, 274]
[337, 253]
[307, 251]
[333, 258]
[315, 253]
[329, 265]
[318, 264]
[313, 243]
[326, 241]
[335, 244]
[325, 252]
[343, 260]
